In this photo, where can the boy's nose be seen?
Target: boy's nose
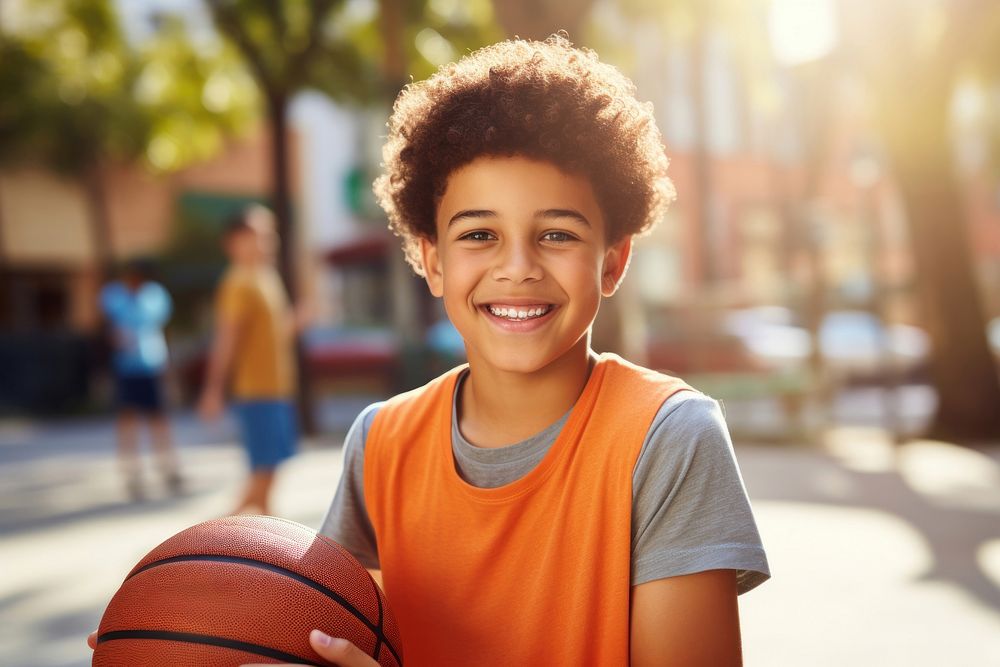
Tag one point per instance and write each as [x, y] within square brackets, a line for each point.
[517, 263]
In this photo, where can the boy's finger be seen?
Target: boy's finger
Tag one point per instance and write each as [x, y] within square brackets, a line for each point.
[340, 651]
[92, 639]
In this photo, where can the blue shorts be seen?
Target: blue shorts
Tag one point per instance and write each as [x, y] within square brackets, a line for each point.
[270, 431]
[139, 392]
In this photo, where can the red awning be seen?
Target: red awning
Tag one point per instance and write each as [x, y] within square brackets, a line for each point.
[372, 247]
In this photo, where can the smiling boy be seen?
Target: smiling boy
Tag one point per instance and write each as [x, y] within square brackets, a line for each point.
[544, 504]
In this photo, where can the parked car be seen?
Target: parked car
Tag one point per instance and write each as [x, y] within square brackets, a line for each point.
[691, 341]
[855, 345]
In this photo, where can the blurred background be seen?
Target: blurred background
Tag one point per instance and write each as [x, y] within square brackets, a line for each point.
[830, 271]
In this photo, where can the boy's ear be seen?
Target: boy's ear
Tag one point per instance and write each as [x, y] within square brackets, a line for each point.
[616, 261]
[431, 262]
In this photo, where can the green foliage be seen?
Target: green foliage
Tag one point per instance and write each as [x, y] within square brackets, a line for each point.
[289, 46]
[74, 105]
[342, 47]
[443, 31]
[193, 97]
[76, 93]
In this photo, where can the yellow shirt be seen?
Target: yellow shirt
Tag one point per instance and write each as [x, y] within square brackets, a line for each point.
[264, 361]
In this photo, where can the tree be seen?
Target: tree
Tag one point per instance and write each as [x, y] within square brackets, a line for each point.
[67, 107]
[79, 97]
[911, 73]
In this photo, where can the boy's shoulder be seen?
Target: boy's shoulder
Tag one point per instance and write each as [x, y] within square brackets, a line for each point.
[624, 377]
[232, 276]
[154, 290]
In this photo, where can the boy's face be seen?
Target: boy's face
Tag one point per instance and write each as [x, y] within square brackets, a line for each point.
[521, 261]
[255, 244]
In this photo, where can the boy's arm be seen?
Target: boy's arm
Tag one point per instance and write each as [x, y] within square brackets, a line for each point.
[229, 310]
[220, 359]
[686, 620]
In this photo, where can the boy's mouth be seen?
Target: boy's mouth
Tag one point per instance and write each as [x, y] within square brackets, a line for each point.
[519, 313]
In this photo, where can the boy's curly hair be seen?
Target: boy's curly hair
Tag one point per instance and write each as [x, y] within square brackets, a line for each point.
[543, 100]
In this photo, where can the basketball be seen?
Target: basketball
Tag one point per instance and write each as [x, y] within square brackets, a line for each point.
[244, 589]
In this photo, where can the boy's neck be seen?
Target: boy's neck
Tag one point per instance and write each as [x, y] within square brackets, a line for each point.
[498, 408]
[247, 264]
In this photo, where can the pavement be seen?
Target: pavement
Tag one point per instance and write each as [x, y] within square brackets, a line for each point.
[880, 554]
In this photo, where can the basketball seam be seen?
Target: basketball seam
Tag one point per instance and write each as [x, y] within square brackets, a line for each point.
[323, 539]
[380, 635]
[377, 630]
[209, 640]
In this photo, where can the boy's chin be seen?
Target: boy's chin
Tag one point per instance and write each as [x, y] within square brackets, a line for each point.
[514, 360]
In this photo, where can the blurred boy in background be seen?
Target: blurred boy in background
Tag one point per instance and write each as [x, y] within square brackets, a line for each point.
[137, 308]
[254, 346]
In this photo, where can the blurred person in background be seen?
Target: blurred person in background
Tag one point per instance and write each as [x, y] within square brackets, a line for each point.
[253, 346]
[137, 308]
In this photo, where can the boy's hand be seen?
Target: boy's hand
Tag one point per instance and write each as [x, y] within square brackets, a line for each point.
[339, 651]
[211, 404]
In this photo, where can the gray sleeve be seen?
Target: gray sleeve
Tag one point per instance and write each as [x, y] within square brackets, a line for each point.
[690, 510]
[347, 521]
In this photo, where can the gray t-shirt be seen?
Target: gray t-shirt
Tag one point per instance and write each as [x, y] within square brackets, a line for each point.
[690, 510]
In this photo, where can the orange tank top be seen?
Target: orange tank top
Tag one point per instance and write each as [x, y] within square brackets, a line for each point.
[532, 573]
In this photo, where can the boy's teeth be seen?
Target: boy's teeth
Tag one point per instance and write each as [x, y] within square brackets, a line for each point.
[518, 314]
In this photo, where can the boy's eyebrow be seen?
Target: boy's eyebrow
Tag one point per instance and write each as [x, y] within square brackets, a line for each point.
[563, 213]
[472, 213]
[546, 213]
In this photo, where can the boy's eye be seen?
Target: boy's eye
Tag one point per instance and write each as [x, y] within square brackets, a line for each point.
[478, 235]
[558, 237]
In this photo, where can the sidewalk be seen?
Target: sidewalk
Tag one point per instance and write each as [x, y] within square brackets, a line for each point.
[879, 556]
[876, 558]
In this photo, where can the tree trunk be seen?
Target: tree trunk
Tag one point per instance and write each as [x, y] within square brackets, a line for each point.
[282, 204]
[101, 351]
[281, 191]
[962, 365]
[704, 217]
[100, 223]
[391, 21]
[911, 86]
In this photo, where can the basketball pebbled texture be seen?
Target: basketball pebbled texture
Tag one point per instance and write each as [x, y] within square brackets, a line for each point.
[244, 589]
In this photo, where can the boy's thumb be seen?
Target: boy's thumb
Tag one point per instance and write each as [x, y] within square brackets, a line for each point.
[340, 651]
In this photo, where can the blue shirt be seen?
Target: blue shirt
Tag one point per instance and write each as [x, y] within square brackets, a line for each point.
[137, 320]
